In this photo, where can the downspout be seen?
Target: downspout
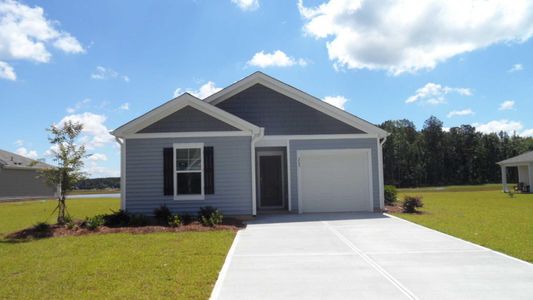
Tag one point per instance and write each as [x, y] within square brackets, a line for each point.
[380, 170]
[122, 172]
[255, 137]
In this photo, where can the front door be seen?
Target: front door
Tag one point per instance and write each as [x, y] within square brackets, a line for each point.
[270, 181]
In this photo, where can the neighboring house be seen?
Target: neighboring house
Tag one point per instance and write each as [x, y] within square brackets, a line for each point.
[19, 178]
[524, 164]
[257, 145]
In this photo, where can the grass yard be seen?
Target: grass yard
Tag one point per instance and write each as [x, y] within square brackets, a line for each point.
[143, 266]
[482, 215]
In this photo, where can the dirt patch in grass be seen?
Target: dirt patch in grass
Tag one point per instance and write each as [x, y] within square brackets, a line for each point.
[31, 233]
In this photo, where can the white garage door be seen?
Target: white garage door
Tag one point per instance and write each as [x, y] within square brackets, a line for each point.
[335, 180]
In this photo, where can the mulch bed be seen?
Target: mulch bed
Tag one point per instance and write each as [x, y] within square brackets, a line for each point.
[397, 209]
[61, 230]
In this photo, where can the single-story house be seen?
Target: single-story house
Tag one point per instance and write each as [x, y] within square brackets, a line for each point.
[19, 178]
[258, 145]
[524, 163]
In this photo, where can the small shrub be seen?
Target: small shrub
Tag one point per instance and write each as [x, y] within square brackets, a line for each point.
[209, 216]
[138, 220]
[93, 223]
[187, 218]
[390, 194]
[162, 215]
[41, 227]
[174, 221]
[117, 218]
[411, 203]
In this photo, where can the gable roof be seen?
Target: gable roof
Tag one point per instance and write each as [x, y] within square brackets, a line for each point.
[296, 94]
[176, 104]
[11, 160]
[523, 158]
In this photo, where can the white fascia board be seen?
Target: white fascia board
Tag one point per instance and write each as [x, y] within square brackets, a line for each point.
[175, 105]
[320, 136]
[298, 95]
[159, 135]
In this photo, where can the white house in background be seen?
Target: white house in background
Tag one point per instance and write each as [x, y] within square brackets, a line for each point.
[524, 163]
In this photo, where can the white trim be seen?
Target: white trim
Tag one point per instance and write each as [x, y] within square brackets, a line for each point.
[258, 159]
[320, 136]
[175, 105]
[380, 173]
[297, 95]
[255, 138]
[200, 196]
[122, 144]
[289, 197]
[299, 153]
[187, 134]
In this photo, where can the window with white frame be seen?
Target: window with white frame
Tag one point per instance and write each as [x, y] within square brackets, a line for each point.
[189, 171]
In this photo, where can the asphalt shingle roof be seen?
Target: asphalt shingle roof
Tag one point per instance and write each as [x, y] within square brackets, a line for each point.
[526, 157]
[9, 159]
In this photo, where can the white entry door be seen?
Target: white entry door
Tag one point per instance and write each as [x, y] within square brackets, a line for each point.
[335, 180]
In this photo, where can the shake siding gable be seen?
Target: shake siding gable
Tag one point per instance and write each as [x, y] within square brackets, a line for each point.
[188, 119]
[282, 115]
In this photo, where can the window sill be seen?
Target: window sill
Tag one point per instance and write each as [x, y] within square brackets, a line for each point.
[189, 197]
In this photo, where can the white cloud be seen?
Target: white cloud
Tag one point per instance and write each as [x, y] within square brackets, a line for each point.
[433, 93]
[27, 153]
[97, 156]
[79, 105]
[94, 134]
[19, 143]
[499, 125]
[246, 5]
[407, 36]
[103, 73]
[124, 106]
[205, 90]
[95, 171]
[527, 132]
[6, 71]
[25, 33]
[516, 68]
[507, 105]
[338, 101]
[459, 113]
[277, 58]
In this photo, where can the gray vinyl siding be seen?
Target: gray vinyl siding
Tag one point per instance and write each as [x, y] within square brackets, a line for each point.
[19, 183]
[296, 145]
[282, 115]
[188, 119]
[233, 186]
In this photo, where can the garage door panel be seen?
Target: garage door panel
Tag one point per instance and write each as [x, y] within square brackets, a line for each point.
[335, 181]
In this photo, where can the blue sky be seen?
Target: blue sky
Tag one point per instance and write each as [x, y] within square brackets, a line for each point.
[106, 62]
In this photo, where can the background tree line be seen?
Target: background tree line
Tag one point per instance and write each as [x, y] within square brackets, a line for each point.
[432, 156]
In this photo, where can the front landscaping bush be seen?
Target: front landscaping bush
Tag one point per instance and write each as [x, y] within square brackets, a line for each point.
[411, 203]
[209, 216]
[41, 227]
[174, 221]
[162, 215]
[117, 218]
[187, 218]
[93, 223]
[138, 220]
[390, 194]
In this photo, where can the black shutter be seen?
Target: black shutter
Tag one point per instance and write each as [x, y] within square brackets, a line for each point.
[209, 171]
[168, 171]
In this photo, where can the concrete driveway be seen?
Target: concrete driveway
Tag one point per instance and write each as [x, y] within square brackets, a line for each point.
[363, 256]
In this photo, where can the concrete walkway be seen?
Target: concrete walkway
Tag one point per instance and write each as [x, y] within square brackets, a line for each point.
[364, 256]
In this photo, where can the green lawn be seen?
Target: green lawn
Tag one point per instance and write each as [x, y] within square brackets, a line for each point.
[144, 266]
[486, 217]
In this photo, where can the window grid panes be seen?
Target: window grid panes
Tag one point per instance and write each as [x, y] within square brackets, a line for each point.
[188, 171]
